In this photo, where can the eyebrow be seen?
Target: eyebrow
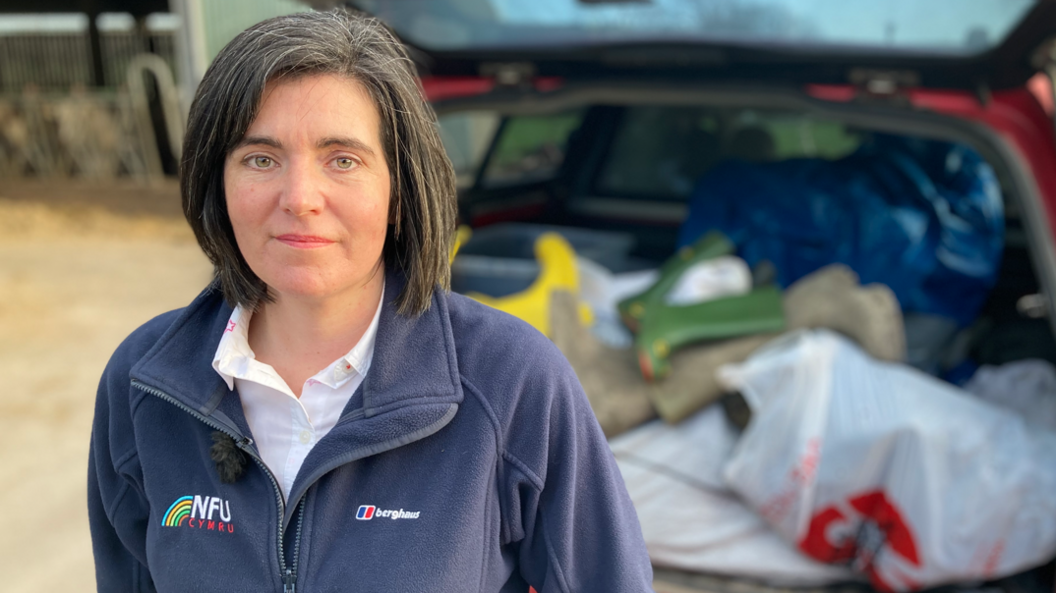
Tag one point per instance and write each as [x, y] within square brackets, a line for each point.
[324, 143]
[264, 140]
[346, 142]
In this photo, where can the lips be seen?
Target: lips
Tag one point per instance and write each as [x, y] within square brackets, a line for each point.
[303, 241]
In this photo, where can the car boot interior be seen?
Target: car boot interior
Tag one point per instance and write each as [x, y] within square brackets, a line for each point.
[638, 162]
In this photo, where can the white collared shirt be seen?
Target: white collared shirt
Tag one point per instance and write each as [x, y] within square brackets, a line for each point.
[284, 427]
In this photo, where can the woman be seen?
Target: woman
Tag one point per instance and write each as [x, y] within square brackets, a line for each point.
[444, 446]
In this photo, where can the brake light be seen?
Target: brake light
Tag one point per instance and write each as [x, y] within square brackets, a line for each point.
[443, 88]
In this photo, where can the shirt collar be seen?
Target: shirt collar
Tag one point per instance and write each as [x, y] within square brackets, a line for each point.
[234, 357]
[233, 353]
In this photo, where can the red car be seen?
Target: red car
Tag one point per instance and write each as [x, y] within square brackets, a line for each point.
[607, 114]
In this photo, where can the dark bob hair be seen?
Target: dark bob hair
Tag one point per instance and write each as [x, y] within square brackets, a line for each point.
[423, 205]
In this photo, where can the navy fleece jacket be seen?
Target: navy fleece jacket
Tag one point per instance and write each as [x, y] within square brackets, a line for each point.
[468, 460]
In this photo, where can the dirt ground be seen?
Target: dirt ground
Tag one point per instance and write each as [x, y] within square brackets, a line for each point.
[80, 268]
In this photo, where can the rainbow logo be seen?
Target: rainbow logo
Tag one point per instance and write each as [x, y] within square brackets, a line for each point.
[178, 512]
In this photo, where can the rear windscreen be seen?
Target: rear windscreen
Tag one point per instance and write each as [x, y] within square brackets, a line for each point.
[660, 152]
[958, 27]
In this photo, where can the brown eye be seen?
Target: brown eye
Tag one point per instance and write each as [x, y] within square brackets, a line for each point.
[344, 163]
[262, 162]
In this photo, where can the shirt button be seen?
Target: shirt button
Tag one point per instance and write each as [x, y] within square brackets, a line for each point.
[305, 437]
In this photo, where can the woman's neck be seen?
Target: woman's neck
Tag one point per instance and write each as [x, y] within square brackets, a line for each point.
[300, 336]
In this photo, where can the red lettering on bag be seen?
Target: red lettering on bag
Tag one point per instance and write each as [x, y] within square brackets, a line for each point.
[887, 518]
[875, 508]
[816, 542]
[808, 465]
[775, 509]
[230, 528]
[993, 558]
[211, 526]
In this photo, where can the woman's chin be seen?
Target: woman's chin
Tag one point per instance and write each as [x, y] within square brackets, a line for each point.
[309, 286]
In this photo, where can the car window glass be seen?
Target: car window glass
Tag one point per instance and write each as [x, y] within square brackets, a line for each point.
[530, 148]
[661, 152]
[943, 27]
[466, 136]
[798, 136]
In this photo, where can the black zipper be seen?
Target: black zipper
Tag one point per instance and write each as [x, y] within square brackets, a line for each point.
[289, 574]
[289, 581]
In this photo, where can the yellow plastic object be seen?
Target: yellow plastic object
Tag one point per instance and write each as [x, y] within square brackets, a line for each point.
[557, 271]
[461, 236]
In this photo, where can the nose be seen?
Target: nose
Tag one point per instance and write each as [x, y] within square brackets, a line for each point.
[302, 194]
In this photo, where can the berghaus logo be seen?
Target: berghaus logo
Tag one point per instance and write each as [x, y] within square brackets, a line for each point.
[208, 513]
[367, 512]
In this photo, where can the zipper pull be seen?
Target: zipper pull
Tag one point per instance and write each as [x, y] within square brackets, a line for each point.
[289, 582]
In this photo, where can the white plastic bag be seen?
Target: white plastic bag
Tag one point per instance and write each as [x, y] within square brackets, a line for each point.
[691, 520]
[711, 279]
[1027, 387]
[907, 479]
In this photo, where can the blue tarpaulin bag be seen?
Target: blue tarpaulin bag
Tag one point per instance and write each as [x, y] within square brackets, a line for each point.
[923, 217]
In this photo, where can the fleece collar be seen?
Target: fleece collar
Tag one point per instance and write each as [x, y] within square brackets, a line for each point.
[414, 357]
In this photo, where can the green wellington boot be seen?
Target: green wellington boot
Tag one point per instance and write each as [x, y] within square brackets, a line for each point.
[710, 246]
[661, 328]
[666, 328]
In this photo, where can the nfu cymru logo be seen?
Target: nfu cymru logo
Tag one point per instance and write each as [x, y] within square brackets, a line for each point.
[367, 512]
[200, 512]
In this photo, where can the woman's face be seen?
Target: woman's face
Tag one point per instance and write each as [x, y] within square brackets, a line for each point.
[308, 188]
